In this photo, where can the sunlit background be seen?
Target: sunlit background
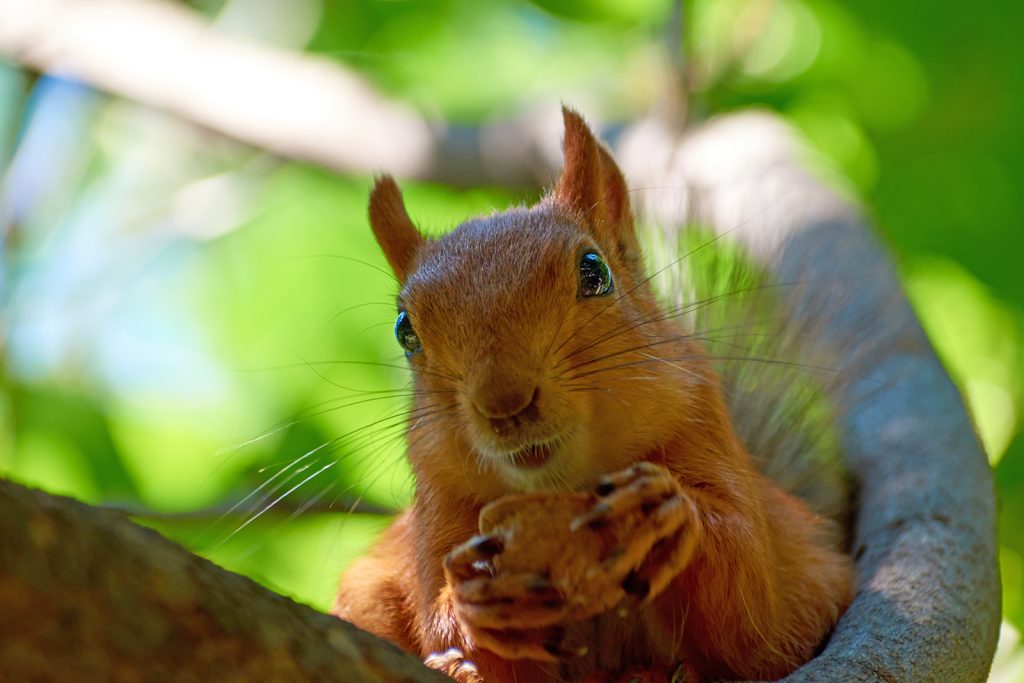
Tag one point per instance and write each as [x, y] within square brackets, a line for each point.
[193, 330]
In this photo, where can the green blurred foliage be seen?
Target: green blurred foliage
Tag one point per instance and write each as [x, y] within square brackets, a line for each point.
[188, 325]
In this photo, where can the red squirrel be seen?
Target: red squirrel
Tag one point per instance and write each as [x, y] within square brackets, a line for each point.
[530, 335]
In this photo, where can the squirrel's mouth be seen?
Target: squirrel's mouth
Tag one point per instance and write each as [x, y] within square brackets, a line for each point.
[533, 456]
[541, 463]
[530, 456]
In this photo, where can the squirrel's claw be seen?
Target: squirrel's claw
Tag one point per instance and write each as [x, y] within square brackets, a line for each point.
[512, 601]
[453, 663]
[661, 546]
[504, 601]
[471, 560]
[669, 556]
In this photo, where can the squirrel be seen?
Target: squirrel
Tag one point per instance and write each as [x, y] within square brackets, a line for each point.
[543, 365]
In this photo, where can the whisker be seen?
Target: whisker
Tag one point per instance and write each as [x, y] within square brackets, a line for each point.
[350, 259]
[389, 394]
[390, 304]
[643, 282]
[750, 359]
[375, 364]
[674, 365]
[676, 312]
[274, 502]
[394, 420]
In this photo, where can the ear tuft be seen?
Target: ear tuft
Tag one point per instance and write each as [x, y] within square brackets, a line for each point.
[579, 184]
[615, 194]
[397, 236]
[591, 183]
[592, 187]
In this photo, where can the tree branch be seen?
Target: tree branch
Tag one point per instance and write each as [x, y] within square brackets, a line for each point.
[294, 105]
[928, 596]
[86, 595]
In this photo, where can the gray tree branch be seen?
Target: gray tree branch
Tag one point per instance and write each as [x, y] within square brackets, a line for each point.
[928, 597]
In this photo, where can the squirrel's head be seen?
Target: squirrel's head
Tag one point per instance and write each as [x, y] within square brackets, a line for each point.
[534, 339]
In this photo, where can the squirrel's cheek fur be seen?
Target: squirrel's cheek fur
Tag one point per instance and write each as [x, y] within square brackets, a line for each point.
[557, 403]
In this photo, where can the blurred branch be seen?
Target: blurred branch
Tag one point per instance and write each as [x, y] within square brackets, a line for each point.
[119, 602]
[675, 100]
[295, 105]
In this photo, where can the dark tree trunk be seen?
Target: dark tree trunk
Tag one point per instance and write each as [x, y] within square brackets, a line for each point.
[87, 595]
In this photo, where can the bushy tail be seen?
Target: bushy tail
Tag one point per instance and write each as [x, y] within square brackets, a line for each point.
[779, 377]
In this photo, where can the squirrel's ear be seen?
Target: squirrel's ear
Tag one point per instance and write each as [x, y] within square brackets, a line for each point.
[397, 236]
[592, 187]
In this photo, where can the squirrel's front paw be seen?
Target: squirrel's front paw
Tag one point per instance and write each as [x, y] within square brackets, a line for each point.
[514, 615]
[546, 560]
[663, 528]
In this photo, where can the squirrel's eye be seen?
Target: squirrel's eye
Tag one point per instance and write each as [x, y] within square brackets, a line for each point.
[405, 335]
[595, 275]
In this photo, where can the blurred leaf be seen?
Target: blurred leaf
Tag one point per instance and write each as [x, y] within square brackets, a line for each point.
[978, 340]
[636, 11]
[302, 557]
[63, 445]
[12, 88]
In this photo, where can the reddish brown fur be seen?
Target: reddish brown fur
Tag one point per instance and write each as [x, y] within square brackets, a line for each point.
[495, 306]
[392, 226]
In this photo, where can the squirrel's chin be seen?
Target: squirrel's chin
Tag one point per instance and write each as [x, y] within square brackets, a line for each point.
[542, 479]
[533, 468]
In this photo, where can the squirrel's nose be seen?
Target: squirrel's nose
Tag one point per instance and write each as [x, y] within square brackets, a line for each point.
[505, 410]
